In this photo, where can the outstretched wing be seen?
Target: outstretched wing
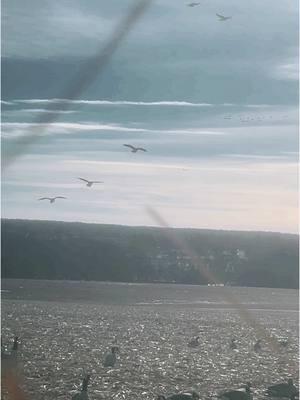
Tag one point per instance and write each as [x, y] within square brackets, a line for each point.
[60, 197]
[44, 198]
[220, 16]
[141, 148]
[130, 146]
[84, 180]
[97, 182]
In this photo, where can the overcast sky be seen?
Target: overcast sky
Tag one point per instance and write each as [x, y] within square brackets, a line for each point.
[214, 103]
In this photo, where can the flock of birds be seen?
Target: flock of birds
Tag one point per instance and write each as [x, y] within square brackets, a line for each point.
[282, 390]
[91, 183]
[9, 361]
[221, 17]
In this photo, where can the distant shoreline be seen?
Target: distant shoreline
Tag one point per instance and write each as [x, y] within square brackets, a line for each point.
[129, 283]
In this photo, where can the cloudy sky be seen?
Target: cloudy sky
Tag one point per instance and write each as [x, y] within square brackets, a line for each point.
[214, 103]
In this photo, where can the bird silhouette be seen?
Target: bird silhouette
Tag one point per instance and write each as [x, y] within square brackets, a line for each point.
[193, 4]
[89, 183]
[285, 390]
[52, 199]
[9, 360]
[237, 394]
[283, 342]
[111, 358]
[194, 342]
[257, 345]
[222, 17]
[83, 395]
[180, 396]
[233, 344]
[134, 149]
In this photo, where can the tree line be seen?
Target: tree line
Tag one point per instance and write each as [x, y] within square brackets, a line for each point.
[79, 251]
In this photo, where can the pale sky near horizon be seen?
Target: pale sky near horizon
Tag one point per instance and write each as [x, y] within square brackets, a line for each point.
[214, 103]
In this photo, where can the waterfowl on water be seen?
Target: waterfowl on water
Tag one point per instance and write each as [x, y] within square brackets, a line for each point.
[194, 342]
[237, 394]
[233, 344]
[180, 396]
[283, 342]
[111, 358]
[257, 345]
[83, 395]
[287, 390]
[9, 360]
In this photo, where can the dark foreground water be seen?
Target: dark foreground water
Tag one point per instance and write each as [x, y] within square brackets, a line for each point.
[67, 327]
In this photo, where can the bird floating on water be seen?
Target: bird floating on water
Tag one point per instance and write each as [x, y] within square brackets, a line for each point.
[134, 149]
[83, 395]
[180, 396]
[222, 17]
[233, 344]
[257, 345]
[111, 358]
[194, 342]
[9, 360]
[89, 183]
[52, 199]
[285, 390]
[237, 394]
[193, 4]
[283, 342]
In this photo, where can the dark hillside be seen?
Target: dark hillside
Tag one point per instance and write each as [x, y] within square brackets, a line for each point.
[77, 251]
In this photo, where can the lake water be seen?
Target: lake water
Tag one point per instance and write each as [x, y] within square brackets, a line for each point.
[67, 327]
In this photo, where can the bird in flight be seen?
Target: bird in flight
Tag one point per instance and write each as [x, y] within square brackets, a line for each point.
[52, 199]
[134, 149]
[193, 4]
[89, 183]
[222, 18]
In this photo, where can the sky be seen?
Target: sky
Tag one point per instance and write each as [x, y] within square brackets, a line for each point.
[214, 103]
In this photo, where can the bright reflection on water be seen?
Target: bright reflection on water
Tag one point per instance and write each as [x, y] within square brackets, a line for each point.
[61, 340]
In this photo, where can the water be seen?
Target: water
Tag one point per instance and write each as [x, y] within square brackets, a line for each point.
[67, 327]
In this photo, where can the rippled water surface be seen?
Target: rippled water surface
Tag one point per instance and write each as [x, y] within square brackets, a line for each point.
[66, 329]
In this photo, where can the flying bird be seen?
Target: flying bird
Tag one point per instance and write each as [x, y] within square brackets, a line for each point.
[52, 199]
[222, 17]
[89, 183]
[193, 4]
[237, 394]
[83, 395]
[287, 390]
[134, 149]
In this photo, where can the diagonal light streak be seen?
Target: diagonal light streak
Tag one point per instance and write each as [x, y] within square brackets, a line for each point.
[93, 67]
[228, 296]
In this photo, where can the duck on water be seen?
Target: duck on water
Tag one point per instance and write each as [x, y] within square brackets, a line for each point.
[10, 359]
[284, 390]
[83, 395]
[111, 358]
[237, 394]
[180, 396]
[194, 342]
[233, 345]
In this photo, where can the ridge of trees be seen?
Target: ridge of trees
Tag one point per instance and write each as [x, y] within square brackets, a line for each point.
[80, 251]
